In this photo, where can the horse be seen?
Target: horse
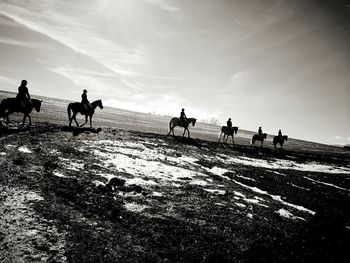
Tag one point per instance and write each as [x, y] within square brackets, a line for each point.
[177, 122]
[11, 105]
[228, 132]
[77, 107]
[256, 137]
[280, 140]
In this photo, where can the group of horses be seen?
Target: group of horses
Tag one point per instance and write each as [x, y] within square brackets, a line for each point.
[226, 131]
[11, 105]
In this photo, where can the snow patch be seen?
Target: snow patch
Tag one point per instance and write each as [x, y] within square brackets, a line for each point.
[284, 213]
[277, 164]
[135, 207]
[59, 175]
[24, 149]
[215, 191]
[328, 184]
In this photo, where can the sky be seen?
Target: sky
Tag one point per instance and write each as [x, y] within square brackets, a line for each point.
[278, 64]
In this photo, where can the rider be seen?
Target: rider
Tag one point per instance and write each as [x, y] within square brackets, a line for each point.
[280, 134]
[23, 97]
[183, 117]
[260, 133]
[229, 125]
[84, 101]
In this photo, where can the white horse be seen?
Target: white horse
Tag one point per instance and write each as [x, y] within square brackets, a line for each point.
[177, 122]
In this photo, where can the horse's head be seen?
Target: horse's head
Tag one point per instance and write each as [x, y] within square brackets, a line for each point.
[99, 103]
[285, 137]
[265, 135]
[193, 121]
[235, 129]
[37, 104]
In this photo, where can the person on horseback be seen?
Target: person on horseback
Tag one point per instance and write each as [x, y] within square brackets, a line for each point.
[23, 97]
[229, 125]
[260, 132]
[85, 102]
[183, 118]
[280, 134]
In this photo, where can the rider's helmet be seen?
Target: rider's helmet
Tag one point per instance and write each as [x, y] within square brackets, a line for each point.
[84, 90]
[229, 119]
[183, 109]
[23, 82]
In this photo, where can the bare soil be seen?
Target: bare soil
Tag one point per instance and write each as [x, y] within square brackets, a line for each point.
[112, 195]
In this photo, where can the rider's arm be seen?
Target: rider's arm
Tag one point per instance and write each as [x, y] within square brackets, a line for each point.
[28, 94]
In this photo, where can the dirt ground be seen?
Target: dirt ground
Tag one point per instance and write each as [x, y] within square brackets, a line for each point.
[111, 195]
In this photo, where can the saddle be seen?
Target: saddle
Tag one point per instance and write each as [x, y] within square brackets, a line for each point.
[86, 108]
[184, 123]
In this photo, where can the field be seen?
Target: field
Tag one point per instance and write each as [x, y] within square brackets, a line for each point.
[129, 193]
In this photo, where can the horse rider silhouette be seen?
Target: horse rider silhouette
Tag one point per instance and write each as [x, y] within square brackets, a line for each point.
[183, 118]
[85, 102]
[23, 97]
[260, 132]
[229, 124]
[280, 134]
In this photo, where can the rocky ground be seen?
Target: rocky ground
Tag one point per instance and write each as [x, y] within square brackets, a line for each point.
[111, 195]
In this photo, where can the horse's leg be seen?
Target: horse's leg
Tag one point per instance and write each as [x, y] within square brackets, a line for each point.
[170, 128]
[188, 132]
[30, 120]
[90, 121]
[86, 120]
[220, 136]
[183, 135]
[233, 140]
[74, 118]
[24, 119]
[7, 119]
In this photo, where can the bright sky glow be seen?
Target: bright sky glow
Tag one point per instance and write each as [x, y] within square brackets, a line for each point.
[274, 63]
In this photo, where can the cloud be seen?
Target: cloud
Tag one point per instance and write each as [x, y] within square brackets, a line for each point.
[165, 5]
[238, 78]
[84, 81]
[23, 43]
[9, 81]
[77, 35]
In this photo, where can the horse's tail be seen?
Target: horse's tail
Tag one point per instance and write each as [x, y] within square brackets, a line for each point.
[69, 108]
[170, 126]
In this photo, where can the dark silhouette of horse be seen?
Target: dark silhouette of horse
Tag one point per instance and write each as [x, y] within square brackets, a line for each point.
[261, 139]
[280, 140]
[177, 122]
[11, 105]
[225, 130]
[77, 107]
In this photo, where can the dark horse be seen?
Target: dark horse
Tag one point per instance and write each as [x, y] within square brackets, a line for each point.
[177, 122]
[225, 130]
[77, 107]
[261, 139]
[280, 140]
[11, 105]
